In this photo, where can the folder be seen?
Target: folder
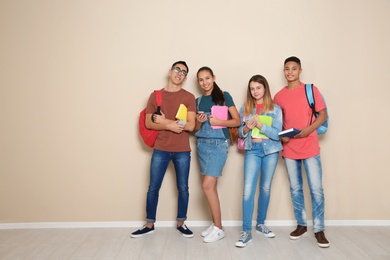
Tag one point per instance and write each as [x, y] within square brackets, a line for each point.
[220, 112]
[265, 120]
[182, 113]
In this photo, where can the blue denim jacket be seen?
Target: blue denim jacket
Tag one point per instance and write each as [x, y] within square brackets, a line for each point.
[271, 145]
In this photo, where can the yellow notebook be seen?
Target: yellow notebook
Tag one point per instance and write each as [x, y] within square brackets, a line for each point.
[267, 120]
[182, 113]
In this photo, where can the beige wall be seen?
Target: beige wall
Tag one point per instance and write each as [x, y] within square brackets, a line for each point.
[75, 74]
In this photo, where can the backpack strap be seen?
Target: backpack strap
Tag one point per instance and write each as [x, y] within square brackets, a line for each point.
[158, 102]
[158, 97]
[198, 102]
[309, 95]
[310, 100]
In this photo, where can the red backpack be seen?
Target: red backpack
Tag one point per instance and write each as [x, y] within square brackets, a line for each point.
[149, 135]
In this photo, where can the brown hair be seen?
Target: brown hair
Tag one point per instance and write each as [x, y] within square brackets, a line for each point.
[268, 104]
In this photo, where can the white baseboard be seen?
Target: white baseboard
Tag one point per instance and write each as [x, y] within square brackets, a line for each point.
[126, 224]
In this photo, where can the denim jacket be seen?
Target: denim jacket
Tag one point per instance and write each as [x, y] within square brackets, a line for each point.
[271, 145]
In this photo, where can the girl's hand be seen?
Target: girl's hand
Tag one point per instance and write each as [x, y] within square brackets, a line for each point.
[201, 117]
[214, 121]
[258, 124]
[251, 123]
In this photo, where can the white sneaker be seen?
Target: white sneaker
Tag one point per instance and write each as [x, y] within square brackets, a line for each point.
[215, 235]
[206, 232]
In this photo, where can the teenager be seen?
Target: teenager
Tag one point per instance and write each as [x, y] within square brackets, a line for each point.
[172, 144]
[213, 144]
[261, 154]
[303, 149]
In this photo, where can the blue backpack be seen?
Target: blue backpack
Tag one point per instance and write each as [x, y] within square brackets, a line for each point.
[310, 99]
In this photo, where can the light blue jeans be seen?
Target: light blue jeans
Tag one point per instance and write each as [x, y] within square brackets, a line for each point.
[314, 179]
[158, 167]
[255, 162]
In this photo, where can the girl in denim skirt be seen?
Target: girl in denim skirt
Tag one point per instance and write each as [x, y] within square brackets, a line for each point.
[213, 144]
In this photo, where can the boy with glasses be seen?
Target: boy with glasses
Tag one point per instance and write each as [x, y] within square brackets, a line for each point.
[172, 144]
[303, 149]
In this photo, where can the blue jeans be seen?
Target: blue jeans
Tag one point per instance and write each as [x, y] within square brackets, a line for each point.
[158, 167]
[314, 179]
[256, 161]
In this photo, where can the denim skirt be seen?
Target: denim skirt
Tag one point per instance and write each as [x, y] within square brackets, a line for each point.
[212, 155]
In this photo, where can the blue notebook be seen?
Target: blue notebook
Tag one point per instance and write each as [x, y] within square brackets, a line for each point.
[289, 133]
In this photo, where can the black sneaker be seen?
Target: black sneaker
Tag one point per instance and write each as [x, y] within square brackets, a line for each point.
[298, 232]
[142, 231]
[321, 239]
[183, 229]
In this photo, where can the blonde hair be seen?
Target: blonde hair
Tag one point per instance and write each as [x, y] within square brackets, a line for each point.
[268, 104]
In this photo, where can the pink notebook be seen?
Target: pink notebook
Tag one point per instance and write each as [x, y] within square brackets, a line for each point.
[220, 112]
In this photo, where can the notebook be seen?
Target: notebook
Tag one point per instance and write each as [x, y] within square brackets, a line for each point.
[220, 112]
[182, 113]
[289, 132]
[266, 120]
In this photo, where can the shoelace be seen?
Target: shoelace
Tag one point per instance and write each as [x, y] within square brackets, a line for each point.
[244, 235]
[210, 228]
[264, 229]
[215, 232]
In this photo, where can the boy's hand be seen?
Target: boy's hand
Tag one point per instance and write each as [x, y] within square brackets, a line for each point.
[175, 127]
[158, 119]
[304, 132]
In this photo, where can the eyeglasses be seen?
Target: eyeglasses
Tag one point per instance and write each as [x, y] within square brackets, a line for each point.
[181, 72]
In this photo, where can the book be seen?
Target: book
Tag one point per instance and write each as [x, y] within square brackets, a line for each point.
[266, 120]
[182, 113]
[289, 133]
[220, 112]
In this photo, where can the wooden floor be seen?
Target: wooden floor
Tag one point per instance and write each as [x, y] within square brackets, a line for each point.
[166, 243]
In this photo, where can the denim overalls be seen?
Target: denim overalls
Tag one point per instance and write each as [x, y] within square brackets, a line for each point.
[212, 147]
